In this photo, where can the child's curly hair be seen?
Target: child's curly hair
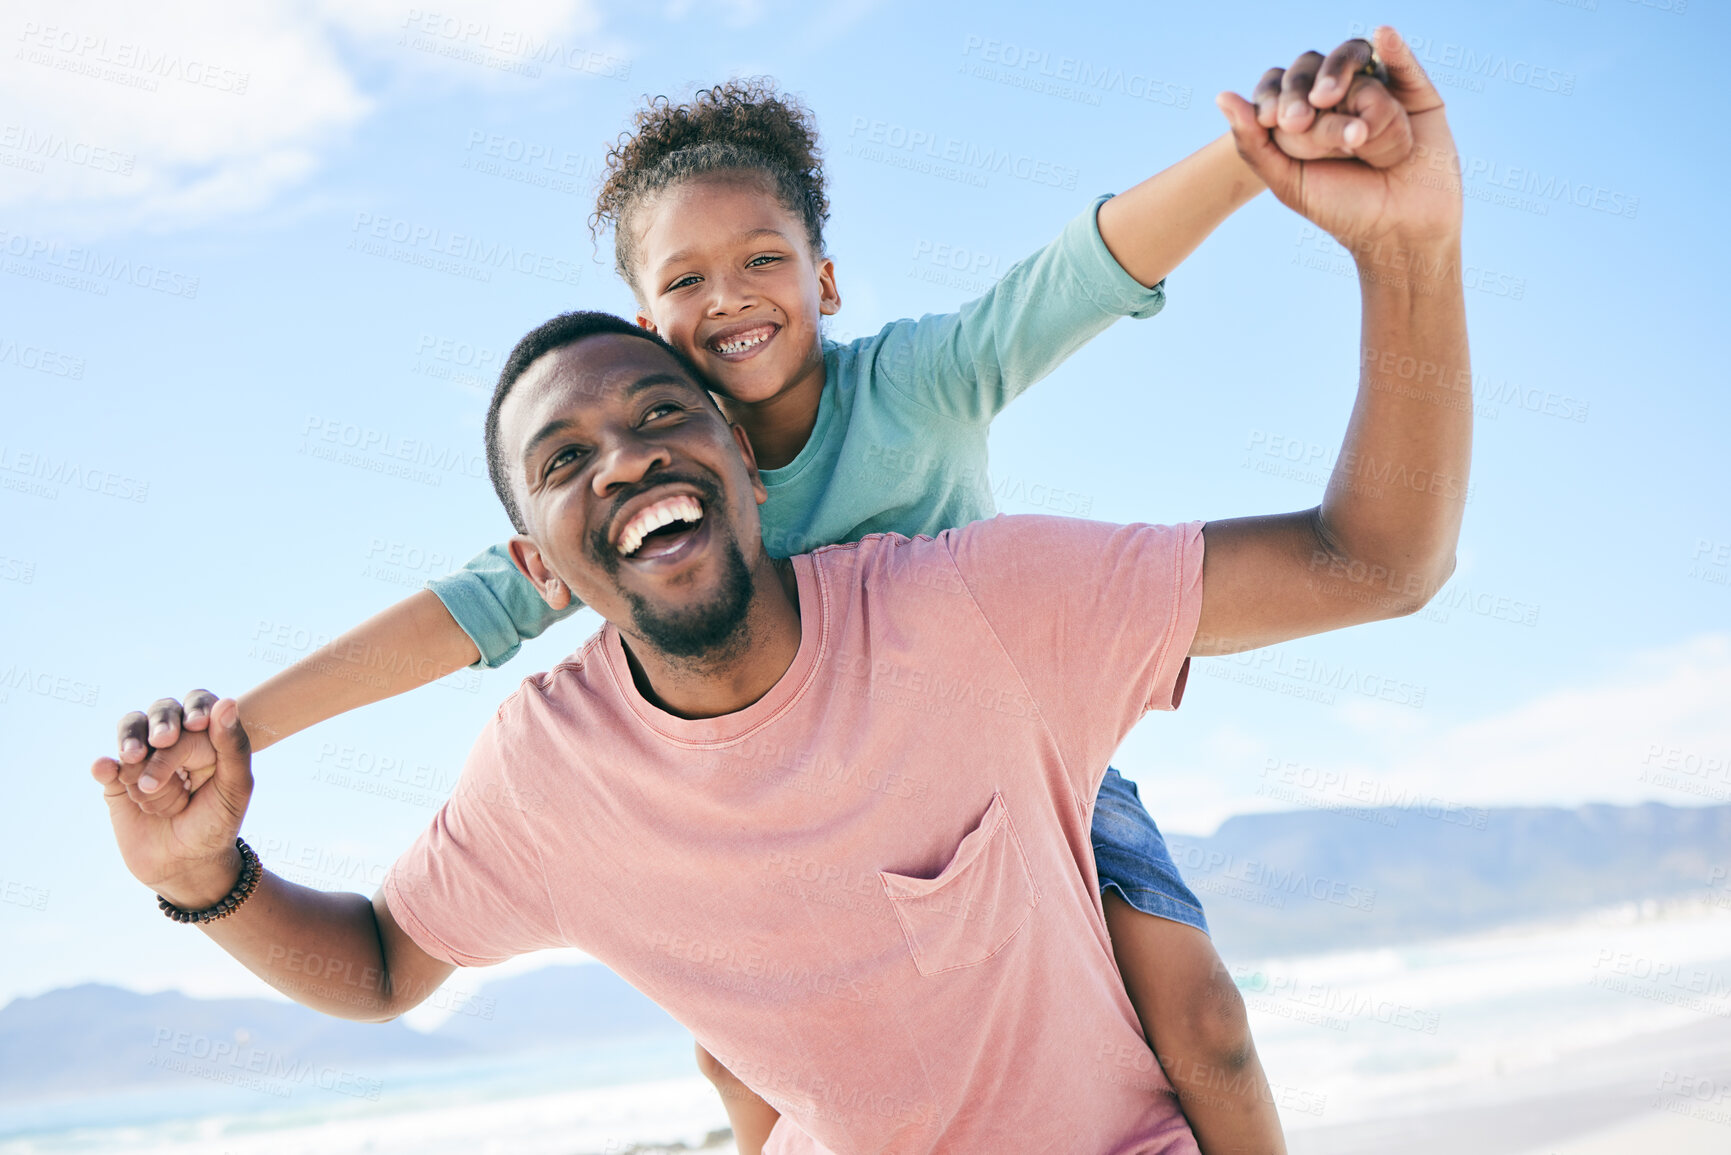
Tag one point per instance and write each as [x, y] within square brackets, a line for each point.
[743, 125]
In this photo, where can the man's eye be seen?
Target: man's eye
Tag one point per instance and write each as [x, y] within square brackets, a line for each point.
[661, 410]
[563, 457]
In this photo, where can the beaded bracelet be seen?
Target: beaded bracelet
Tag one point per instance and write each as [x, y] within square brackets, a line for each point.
[250, 872]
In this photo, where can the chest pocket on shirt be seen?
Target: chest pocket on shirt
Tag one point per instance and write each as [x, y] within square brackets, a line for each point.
[975, 905]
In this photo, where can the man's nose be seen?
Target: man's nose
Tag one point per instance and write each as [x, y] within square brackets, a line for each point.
[628, 461]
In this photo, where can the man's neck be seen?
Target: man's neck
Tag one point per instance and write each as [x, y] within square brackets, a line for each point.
[741, 672]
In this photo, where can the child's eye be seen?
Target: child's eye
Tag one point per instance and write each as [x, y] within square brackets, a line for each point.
[765, 258]
[682, 282]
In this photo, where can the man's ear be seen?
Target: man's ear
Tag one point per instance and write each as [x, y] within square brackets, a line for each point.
[526, 556]
[744, 444]
[828, 296]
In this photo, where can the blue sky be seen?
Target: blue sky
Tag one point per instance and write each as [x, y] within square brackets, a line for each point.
[218, 235]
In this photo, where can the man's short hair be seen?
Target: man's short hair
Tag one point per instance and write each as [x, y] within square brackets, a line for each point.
[565, 329]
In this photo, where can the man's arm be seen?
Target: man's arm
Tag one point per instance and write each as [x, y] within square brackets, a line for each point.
[1150, 229]
[336, 953]
[1383, 540]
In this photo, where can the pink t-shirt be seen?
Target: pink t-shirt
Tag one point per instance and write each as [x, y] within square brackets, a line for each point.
[871, 894]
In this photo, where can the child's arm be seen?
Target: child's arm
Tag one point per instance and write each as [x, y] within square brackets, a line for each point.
[406, 646]
[476, 616]
[1152, 227]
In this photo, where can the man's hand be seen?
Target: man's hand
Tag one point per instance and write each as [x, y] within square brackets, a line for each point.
[177, 805]
[1356, 203]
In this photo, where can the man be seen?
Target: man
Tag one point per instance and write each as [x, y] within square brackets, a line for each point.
[832, 813]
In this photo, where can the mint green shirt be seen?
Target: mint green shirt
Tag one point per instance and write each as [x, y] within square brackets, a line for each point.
[900, 440]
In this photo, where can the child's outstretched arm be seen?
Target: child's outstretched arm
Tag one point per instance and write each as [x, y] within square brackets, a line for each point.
[397, 650]
[478, 615]
[1150, 229]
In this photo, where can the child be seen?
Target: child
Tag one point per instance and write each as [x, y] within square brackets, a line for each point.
[718, 207]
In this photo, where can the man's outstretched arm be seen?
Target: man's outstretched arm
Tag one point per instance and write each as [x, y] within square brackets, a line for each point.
[337, 953]
[1383, 540]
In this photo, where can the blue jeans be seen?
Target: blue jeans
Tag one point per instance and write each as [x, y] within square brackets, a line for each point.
[1132, 858]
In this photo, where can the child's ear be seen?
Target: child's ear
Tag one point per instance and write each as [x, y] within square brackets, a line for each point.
[644, 320]
[526, 556]
[828, 296]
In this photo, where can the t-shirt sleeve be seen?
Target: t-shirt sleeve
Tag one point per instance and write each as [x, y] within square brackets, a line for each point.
[471, 890]
[1097, 618]
[971, 363]
[497, 606]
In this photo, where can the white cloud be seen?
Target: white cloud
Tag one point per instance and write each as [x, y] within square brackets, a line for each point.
[119, 115]
[1660, 732]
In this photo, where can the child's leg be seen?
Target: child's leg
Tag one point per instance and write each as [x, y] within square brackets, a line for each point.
[751, 1117]
[1190, 1008]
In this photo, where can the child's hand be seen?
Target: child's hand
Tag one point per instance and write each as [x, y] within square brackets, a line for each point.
[1332, 108]
[177, 834]
[1361, 206]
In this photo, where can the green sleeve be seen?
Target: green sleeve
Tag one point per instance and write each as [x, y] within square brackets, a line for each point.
[497, 606]
[971, 363]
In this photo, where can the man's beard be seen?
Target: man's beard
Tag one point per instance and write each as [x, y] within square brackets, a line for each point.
[711, 631]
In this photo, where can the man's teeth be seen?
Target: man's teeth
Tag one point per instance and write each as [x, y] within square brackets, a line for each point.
[741, 344]
[664, 512]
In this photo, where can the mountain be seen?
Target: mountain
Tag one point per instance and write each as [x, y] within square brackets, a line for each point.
[92, 1035]
[554, 1006]
[1327, 879]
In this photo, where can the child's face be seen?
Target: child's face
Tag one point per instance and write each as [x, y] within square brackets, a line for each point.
[725, 273]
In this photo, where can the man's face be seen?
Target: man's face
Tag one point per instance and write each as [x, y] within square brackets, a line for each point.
[637, 493]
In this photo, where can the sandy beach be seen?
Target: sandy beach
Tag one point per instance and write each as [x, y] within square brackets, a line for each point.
[1669, 1092]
